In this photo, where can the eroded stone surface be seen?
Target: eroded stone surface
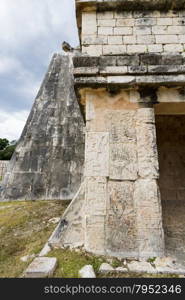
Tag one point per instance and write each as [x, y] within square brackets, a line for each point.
[97, 154]
[27, 257]
[41, 267]
[87, 272]
[95, 234]
[140, 267]
[121, 219]
[48, 160]
[46, 249]
[149, 218]
[122, 215]
[165, 262]
[70, 231]
[123, 161]
[121, 270]
[96, 196]
[146, 144]
[105, 268]
[3, 168]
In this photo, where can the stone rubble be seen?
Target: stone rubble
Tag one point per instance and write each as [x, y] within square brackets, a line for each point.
[46, 249]
[87, 272]
[105, 268]
[27, 257]
[164, 262]
[121, 270]
[54, 220]
[140, 267]
[41, 267]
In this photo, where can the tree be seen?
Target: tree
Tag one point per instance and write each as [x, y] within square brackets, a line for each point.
[6, 149]
[3, 144]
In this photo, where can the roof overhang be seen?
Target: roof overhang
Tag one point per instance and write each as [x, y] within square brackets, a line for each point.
[129, 4]
[129, 70]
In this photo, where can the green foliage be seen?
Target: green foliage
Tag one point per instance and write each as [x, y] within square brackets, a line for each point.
[7, 153]
[151, 259]
[3, 144]
[6, 149]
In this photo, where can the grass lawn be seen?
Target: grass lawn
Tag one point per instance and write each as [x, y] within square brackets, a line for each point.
[25, 228]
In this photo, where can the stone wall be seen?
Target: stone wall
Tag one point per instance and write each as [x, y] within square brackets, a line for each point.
[171, 148]
[121, 204]
[3, 167]
[118, 211]
[113, 32]
[121, 170]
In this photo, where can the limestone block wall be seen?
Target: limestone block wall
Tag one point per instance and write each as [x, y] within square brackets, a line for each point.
[112, 32]
[3, 167]
[123, 215]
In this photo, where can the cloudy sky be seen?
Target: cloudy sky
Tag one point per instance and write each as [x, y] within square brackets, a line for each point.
[30, 32]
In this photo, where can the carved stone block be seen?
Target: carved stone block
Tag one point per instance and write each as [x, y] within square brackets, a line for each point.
[123, 161]
[121, 125]
[96, 195]
[146, 144]
[97, 154]
[121, 233]
[95, 234]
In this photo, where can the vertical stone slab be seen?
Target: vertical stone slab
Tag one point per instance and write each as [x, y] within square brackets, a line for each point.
[96, 195]
[148, 165]
[121, 231]
[123, 158]
[95, 211]
[147, 199]
[95, 234]
[97, 154]
[150, 234]
[121, 234]
[123, 152]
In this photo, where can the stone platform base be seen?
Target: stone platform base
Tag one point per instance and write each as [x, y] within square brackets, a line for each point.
[160, 266]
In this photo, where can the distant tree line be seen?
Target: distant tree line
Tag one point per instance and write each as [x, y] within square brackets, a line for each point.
[6, 149]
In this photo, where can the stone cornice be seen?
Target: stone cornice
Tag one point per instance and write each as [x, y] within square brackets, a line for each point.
[129, 4]
[129, 70]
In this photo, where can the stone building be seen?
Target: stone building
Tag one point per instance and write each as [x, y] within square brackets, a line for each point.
[130, 83]
[129, 80]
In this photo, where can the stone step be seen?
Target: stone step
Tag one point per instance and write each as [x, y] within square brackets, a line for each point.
[41, 267]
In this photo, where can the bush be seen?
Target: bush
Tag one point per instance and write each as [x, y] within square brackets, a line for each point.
[6, 149]
[3, 144]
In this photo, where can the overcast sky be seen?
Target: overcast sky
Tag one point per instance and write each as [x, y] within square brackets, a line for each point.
[30, 32]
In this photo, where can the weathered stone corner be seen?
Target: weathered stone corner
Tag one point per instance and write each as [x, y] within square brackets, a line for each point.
[129, 81]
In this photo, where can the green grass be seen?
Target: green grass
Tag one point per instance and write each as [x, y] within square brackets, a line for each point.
[24, 229]
[70, 262]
